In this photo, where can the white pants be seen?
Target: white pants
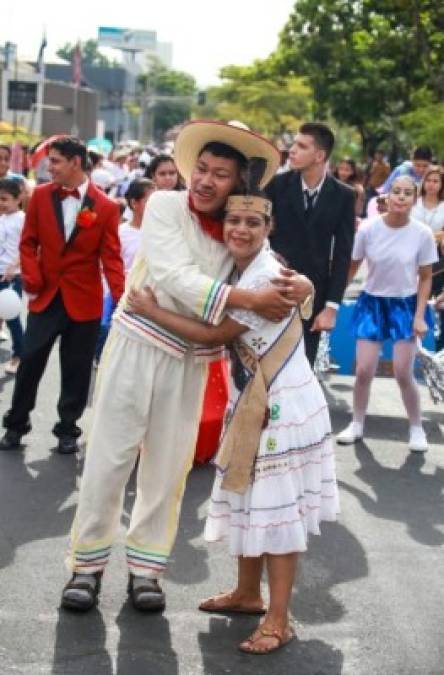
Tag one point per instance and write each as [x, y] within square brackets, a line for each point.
[143, 396]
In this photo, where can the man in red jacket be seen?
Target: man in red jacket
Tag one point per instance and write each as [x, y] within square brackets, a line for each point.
[70, 233]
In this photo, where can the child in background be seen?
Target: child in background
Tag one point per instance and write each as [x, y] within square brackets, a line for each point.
[12, 219]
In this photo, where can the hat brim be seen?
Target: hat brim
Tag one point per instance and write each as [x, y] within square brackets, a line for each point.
[196, 134]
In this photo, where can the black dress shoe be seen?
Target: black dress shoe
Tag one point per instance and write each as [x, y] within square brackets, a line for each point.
[146, 594]
[81, 592]
[67, 445]
[11, 440]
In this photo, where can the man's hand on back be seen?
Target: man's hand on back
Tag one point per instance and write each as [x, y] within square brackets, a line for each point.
[325, 320]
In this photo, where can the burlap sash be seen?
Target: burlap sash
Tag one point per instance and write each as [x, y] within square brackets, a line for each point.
[241, 439]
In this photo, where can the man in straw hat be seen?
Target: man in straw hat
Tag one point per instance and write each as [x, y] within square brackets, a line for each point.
[151, 382]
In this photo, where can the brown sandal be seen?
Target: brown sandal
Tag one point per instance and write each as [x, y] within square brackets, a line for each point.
[282, 638]
[215, 606]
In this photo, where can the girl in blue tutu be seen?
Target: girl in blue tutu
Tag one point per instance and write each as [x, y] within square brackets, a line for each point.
[399, 252]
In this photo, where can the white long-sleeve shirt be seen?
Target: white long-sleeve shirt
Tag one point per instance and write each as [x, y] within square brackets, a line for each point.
[183, 265]
[11, 226]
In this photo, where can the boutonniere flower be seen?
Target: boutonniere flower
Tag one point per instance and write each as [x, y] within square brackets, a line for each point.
[86, 218]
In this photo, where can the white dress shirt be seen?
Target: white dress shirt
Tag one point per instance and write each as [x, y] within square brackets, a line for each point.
[71, 207]
[312, 191]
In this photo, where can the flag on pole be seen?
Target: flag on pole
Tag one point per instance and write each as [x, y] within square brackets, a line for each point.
[77, 65]
[41, 54]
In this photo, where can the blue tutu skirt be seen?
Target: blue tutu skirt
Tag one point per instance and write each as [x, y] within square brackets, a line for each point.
[379, 318]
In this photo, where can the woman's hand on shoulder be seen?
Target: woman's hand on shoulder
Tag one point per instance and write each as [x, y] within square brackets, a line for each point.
[142, 302]
[296, 287]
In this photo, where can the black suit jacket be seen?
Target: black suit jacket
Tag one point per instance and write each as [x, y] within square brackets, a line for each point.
[319, 247]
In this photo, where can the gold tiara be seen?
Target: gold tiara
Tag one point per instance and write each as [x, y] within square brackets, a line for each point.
[248, 203]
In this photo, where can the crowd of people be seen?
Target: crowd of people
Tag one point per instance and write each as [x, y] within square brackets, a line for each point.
[154, 266]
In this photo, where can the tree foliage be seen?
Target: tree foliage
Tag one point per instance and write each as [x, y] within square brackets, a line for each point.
[166, 97]
[424, 125]
[365, 59]
[253, 94]
[91, 55]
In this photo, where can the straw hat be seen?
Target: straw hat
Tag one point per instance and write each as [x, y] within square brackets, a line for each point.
[196, 134]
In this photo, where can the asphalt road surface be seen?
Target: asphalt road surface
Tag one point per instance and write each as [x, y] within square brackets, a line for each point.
[370, 593]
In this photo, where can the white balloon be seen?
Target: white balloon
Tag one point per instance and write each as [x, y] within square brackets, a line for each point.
[10, 304]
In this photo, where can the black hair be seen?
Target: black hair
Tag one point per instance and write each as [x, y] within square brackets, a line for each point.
[5, 147]
[353, 178]
[227, 151]
[323, 136]
[137, 189]
[154, 165]
[70, 147]
[94, 158]
[423, 152]
[11, 186]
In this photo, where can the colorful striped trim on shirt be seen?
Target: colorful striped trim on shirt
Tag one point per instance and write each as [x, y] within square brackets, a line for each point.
[145, 561]
[214, 302]
[170, 342]
[84, 560]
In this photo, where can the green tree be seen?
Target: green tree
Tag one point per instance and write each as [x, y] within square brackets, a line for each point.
[166, 98]
[268, 103]
[424, 125]
[91, 56]
[365, 60]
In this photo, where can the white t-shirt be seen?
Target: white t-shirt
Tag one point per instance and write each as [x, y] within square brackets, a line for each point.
[434, 218]
[393, 255]
[129, 242]
[11, 226]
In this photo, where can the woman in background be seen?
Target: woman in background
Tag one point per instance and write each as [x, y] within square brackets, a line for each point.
[399, 252]
[347, 172]
[163, 172]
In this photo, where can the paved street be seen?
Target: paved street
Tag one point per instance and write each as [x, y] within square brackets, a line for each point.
[370, 597]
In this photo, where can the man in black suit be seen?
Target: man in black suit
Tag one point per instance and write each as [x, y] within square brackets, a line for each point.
[314, 225]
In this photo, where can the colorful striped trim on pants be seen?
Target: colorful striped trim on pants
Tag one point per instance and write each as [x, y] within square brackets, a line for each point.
[214, 302]
[148, 329]
[145, 562]
[85, 560]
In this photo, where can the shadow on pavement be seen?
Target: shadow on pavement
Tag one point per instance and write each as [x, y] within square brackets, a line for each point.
[333, 558]
[380, 427]
[144, 644]
[80, 645]
[32, 497]
[304, 657]
[189, 563]
[405, 494]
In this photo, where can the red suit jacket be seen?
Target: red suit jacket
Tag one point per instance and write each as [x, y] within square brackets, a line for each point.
[49, 263]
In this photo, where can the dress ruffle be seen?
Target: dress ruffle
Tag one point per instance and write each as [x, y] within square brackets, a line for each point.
[294, 483]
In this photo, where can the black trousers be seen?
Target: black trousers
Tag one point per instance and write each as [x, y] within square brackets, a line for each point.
[311, 343]
[77, 344]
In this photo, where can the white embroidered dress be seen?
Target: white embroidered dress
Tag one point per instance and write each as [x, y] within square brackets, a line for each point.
[294, 483]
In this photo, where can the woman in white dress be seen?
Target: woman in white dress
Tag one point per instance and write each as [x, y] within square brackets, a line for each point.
[275, 479]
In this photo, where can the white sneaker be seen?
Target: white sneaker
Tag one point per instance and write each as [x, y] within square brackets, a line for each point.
[418, 440]
[354, 432]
